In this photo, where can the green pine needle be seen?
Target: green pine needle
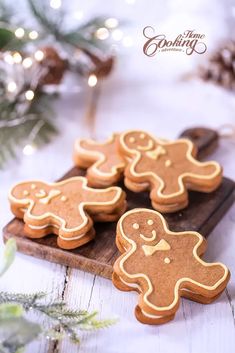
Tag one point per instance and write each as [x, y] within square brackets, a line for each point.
[61, 319]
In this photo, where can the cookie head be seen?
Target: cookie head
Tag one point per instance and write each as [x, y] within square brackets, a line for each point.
[141, 226]
[26, 191]
[138, 141]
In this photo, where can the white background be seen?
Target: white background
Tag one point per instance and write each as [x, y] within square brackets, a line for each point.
[146, 93]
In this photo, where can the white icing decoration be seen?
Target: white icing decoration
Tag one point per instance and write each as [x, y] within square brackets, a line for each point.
[149, 146]
[168, 163]
[159, 151]
[132, 139]
[150, 222]
[136, 226]
[162, 245]
[25, 192]
[167, 260]
[41, 193]
[146, 238]
[142, 136]
[52, 193]
[33, 186]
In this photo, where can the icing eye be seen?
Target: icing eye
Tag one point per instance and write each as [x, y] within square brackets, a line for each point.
[168, 163]
[33, 186]
[150, 222]
[25, 193]
[136, 226]
[63, 198]
[131, 139]
[167, 260]
[142, 136]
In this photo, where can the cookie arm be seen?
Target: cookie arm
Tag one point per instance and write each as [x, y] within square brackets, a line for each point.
[82, 156]
[104, 200]
[203, 176]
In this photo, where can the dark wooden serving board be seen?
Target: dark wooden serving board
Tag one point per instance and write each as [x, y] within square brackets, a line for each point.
[202, 214]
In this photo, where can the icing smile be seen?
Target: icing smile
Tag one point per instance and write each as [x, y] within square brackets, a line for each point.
[154, 235]
[149, 146]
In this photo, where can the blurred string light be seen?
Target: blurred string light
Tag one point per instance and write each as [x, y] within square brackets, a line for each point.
[27, 63]
[33, 35]
[29, 95]
[11, 87]
[17, 58]
[55, 4]
[19, 32]
[111, 23]
[39, 55]
[111, 29]
[28, 150]
[8, 58]
[92, 80]
[102, 33]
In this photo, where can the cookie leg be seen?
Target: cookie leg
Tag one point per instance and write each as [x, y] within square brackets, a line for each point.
[110, 217]
[169, 208]
[38, 233]
[135, 187]
[148, 319]
[197, 297]
[120, 284]
[75, 243]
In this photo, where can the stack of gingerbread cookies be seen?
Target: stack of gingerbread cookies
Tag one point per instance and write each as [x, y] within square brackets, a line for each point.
[161, 265]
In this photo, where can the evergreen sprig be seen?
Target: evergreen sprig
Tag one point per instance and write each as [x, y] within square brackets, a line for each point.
[32, 122]
[62, 321]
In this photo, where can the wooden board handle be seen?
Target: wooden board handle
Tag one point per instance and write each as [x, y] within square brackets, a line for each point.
[205, 139]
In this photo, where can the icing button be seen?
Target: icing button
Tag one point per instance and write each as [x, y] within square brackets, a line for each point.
[168, 163]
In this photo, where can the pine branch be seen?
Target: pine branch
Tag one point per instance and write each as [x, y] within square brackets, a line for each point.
[31, 126]
[44, 17]
[81, 37]
[26, 300]
[62, 320]
[31, 122]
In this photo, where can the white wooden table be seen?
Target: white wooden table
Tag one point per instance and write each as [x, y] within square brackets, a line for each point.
[141, 93]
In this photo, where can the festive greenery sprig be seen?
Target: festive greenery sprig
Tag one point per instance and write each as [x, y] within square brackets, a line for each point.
[29, 61]
[61, 320]
[16, 330]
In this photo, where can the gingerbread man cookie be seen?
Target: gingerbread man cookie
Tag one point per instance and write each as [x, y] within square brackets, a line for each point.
[168, 169]
[104, 163]
[67, 208]
[162, 266]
